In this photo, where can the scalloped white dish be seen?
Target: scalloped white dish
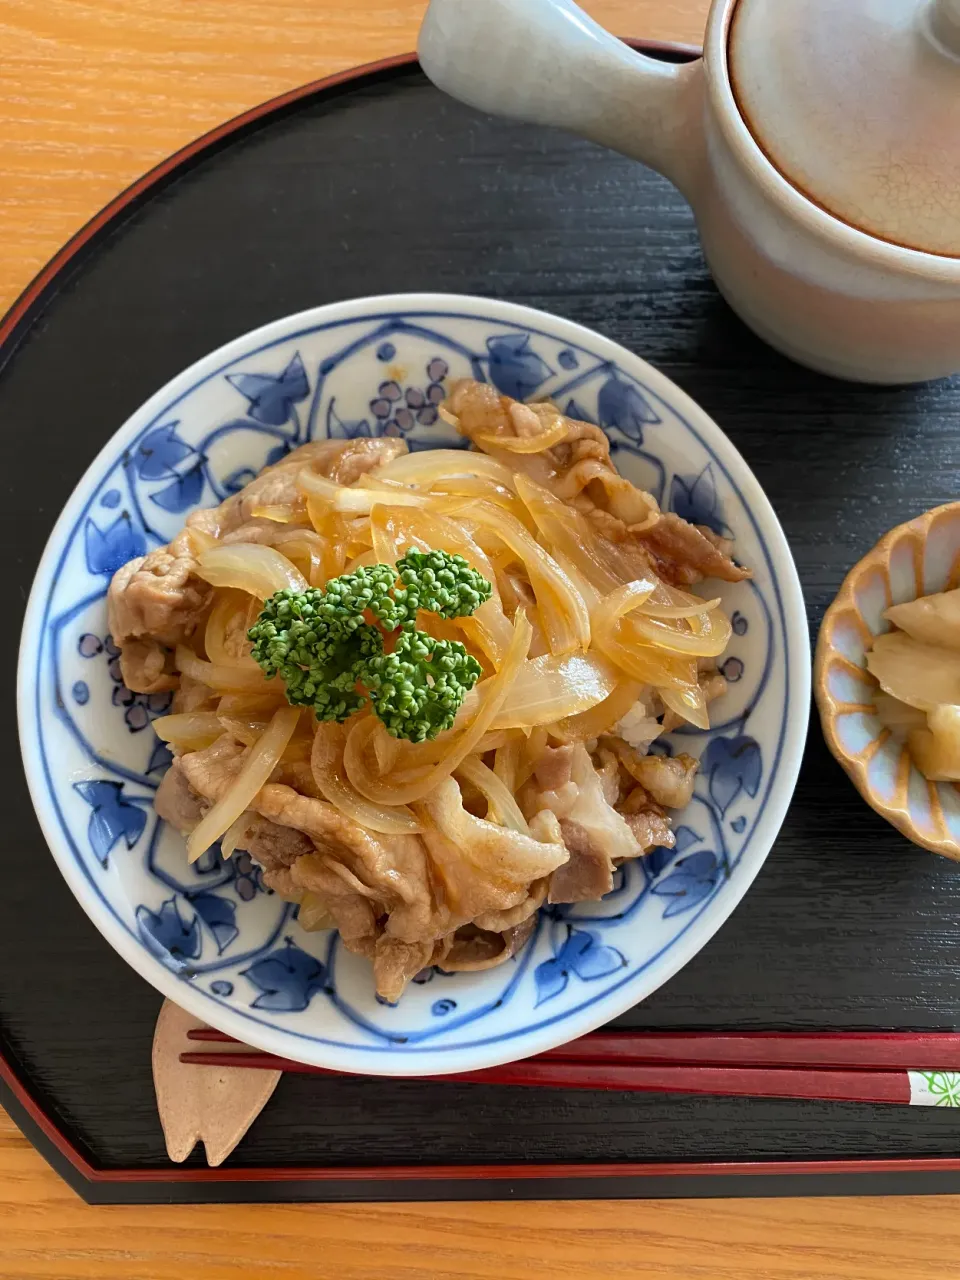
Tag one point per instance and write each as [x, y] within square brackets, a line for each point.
[210, 936]
[915, 559]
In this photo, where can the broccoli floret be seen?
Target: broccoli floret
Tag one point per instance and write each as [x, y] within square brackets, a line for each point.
[367, 588]
[328, 653]
[317, 646]
[418, 689]
[438, 583]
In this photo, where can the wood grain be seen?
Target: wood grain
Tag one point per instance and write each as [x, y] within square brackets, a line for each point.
[91, 95]
[46, 1232]
[94, 93]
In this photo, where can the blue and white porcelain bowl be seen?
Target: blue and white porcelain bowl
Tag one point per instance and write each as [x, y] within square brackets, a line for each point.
[210, 936]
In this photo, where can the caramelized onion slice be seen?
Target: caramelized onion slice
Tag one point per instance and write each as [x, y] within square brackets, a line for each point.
[224, 679]
[569, 532]
[416, 774]
[556, 433]
[601, 718]
[673, 634]
[250, 567]
[689, 704]
[549, 689]
[190, 731]
[236, 834]
[619, 603]
[690, 609]
[231, 609]
[356, 499]
[503, 807]
[326, 764]
[427, 466]
[256, 771]
[564, 615]
[395, 530]
[709, 640]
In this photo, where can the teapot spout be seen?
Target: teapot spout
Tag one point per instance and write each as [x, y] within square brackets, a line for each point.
[547, 62]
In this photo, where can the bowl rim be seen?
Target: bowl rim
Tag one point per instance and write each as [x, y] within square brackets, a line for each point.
[855, 767]
[578, 1021]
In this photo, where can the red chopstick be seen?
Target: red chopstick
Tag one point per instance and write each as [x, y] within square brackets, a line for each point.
[831, 1066]
[862, 1050]
[755, 1082]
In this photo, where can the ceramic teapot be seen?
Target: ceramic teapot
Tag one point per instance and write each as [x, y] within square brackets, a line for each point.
[817, 140]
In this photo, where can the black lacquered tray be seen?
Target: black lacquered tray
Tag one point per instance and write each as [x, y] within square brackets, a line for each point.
[375, 183]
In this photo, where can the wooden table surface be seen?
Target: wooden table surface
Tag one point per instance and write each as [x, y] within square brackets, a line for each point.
[92, 93]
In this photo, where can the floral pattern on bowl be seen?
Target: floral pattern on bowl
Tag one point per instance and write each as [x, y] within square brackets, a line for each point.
[211, 937]
[915, 559]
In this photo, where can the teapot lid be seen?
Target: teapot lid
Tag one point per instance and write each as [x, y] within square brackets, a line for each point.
[857, 103]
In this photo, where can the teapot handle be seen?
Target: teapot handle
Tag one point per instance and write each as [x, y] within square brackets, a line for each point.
[547, 62]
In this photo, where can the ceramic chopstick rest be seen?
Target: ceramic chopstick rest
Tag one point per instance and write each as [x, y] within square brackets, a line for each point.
[212, 1105]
